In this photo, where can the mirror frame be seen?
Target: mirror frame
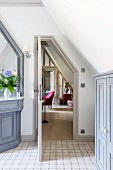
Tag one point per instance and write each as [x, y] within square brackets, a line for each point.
[20, 58]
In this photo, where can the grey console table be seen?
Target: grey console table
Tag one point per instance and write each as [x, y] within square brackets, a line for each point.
[10, 122]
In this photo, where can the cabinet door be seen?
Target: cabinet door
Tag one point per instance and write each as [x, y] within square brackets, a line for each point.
[7, 127]
[109, 130]
[101, 123]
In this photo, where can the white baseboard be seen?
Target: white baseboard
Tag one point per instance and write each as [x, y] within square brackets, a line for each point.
[27, 138]
[86, 138]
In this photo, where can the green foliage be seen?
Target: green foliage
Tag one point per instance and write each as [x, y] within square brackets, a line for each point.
[67, 85]
[8, 82]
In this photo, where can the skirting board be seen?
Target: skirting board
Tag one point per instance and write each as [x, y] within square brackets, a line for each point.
[27, 138]
[86, 138]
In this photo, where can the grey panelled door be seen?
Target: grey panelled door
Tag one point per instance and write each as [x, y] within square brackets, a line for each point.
[110, 123]
[101, 124]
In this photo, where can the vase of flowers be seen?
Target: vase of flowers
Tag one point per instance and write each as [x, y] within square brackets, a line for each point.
[8, 81]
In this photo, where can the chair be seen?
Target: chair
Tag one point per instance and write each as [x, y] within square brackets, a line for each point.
[65, 98]
[47, 100]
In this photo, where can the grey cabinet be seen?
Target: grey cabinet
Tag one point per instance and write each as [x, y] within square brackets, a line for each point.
[18, 123]
[110, 123]
[104, 122]
[10, 123]
[7, 127]
[101, 123]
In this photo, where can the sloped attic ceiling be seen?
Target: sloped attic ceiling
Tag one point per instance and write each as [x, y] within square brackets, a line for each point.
[88, 24]
[61, 64]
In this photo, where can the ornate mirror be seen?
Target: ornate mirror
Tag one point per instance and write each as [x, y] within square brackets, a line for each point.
[11, 57]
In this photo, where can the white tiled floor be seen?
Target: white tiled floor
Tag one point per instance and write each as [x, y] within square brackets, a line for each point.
[57, 155]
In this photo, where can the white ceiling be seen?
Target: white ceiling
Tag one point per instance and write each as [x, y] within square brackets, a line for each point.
[21, 3]
[88, 26]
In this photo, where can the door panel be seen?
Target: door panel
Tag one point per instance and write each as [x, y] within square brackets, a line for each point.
[18, 123]
[110, 123]
[101, 152]
[7, 127]
[101, 124]
[111, 161]
[101, 112]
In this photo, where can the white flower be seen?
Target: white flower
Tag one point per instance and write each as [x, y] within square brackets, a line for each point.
[6, 81]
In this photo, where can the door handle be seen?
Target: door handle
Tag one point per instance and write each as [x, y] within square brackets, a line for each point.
[36, 90]
[40, 93]
[105, 130]
[102, 128]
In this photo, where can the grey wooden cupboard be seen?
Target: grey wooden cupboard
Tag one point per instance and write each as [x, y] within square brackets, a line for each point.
[104, 122]
[10, 122]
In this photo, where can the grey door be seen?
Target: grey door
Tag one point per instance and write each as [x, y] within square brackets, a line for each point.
[101, 123]
[109, 129]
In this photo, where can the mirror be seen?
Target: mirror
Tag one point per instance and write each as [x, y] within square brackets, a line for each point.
[11, 58]
[8, 58]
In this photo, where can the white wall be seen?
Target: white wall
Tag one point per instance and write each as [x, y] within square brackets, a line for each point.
[23, 23]
[52, 84]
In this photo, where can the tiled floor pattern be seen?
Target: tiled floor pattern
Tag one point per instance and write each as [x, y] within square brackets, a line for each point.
[57, 155]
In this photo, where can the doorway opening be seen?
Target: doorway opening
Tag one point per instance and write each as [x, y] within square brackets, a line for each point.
[57, 116]
[58, 75]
